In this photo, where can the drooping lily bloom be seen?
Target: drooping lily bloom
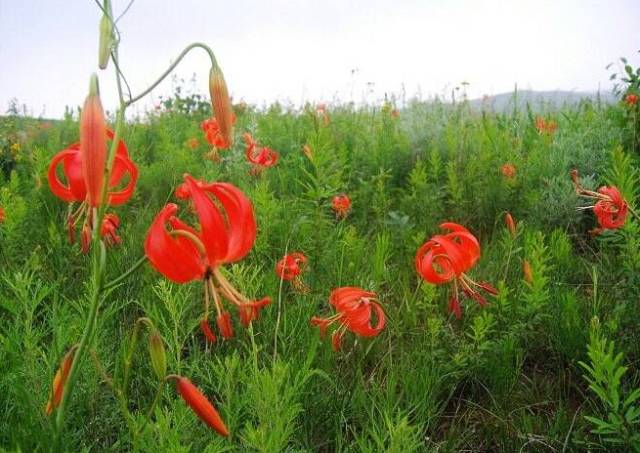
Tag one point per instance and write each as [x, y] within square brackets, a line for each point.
[213, 133]
[547, 127]
[356, 310]
[446, 258]
[75, 189]
[631, 99]
[109, 229]
[508, 170]
[59, 381]
[610, 207]
[341, 205]
[226, 233]
[201, 405]
[290, 268]
[264, 158]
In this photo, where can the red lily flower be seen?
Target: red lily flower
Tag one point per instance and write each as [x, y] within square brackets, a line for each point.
[446, 258]
[214, 134]
[226, 234]
[290, 268]
[341, 205]
[76, 188]
[610, 208]
[631, 99]
[354, 309]
[508, 170]
[110, 225]
[264, 158]
[3, 215]
[200, 405]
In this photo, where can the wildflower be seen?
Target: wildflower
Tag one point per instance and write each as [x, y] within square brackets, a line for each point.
[83, 166]
[355, 309]
[193, 143]
[446, 258]
[290, 268]
[610, 207]
[200, 405]
[213, 134]
[3, 215]
[59, 381]
[306, 149]
[508, 170]
[110, 225]
[547, 127]
[395, 113]
[511, 225]
[264, 158]
[341, 205]
[226, 233]
[631, 99]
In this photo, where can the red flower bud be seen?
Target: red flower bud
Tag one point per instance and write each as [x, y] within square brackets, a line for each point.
[221, 103]
[93, 144]
[59, 380]
[201, 405]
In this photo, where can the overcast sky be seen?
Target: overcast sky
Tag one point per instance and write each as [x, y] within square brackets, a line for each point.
[304, 50]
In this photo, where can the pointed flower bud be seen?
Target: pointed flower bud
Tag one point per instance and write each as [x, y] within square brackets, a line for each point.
[157, 354]
[511, 225]
[106, 38]
[221, 103]
[201, 405]
[59, 380]
[527, 272]
[93, 143]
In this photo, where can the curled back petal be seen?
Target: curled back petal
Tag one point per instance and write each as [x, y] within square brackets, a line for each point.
[176, 257]
[215, 234]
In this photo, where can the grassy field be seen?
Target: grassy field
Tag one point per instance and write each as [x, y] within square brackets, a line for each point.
[512, 376]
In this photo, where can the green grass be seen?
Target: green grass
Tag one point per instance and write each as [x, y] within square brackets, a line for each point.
[504, 378]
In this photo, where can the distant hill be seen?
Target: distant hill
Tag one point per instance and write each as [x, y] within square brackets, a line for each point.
[540, 100]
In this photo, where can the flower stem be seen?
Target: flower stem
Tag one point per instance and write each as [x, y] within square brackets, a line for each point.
[121, 278]
[171, 68]
[99, 254]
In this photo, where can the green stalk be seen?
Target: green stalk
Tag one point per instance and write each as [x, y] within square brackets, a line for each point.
[99, 258]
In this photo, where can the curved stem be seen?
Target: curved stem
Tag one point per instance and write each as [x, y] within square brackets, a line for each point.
[116, 281]
[171, 68]
[87, 336]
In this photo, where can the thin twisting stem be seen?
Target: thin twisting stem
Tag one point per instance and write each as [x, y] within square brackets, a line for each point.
[172, 67]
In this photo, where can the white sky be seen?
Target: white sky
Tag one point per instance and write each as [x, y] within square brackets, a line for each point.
[299, 50]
